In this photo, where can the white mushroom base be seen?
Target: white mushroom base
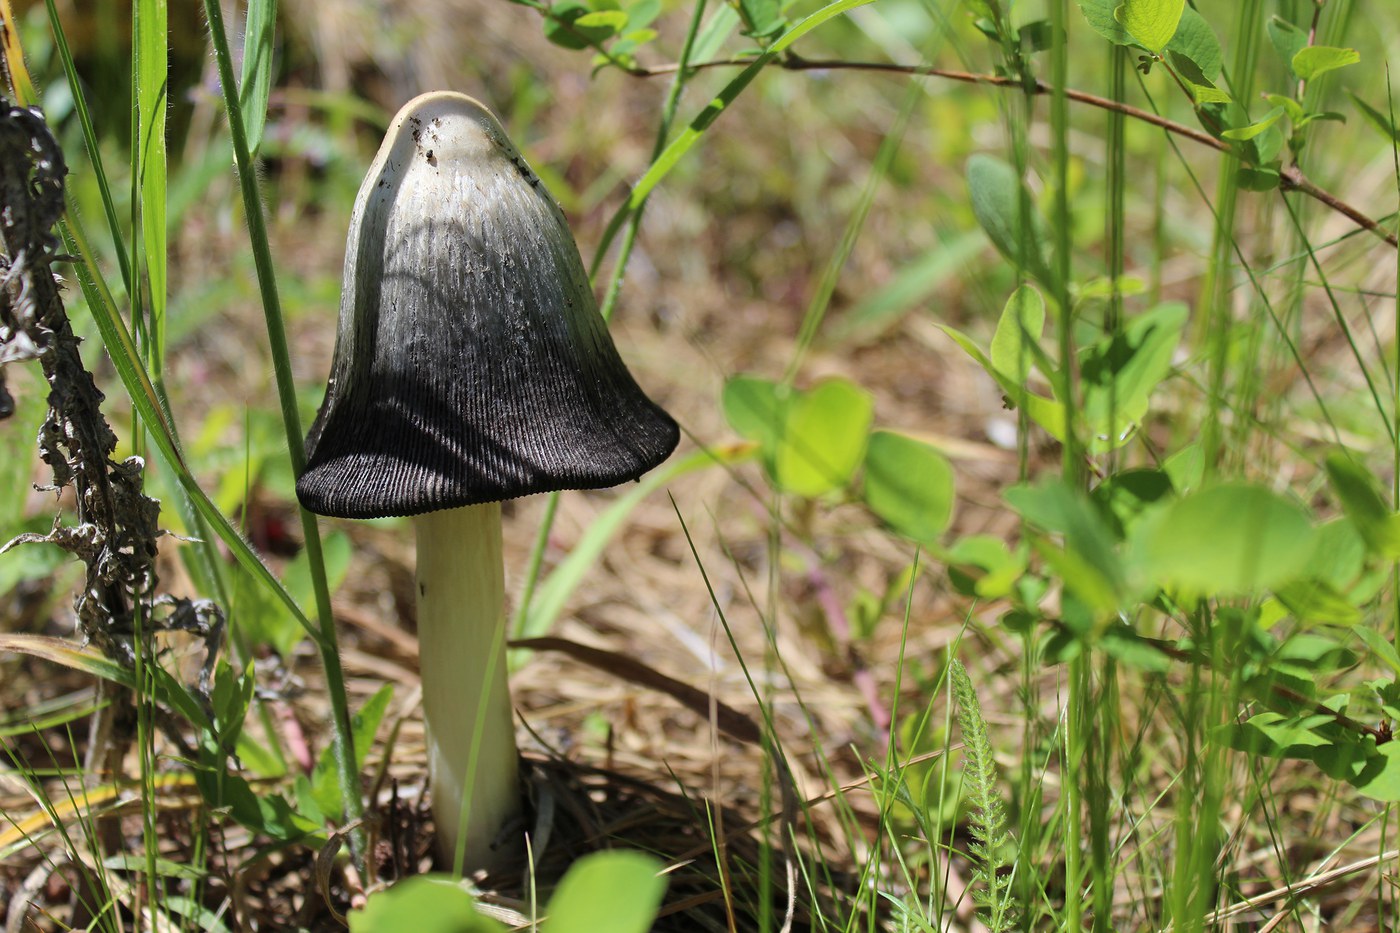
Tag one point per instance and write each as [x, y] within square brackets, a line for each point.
[472, 758]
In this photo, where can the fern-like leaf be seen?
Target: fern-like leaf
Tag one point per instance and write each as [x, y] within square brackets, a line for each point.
[990, 838]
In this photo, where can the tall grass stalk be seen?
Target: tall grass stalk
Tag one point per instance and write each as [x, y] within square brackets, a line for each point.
[327, 641]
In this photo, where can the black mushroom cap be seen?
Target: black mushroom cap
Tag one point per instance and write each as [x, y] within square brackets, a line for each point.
[471, 363]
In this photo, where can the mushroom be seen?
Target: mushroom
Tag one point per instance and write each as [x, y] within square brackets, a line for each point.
[471, 366]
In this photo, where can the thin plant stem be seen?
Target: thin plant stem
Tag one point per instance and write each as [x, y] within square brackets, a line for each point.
[1291, 178]
[291, 422]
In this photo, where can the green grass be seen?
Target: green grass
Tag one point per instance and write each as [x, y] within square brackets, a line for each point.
[1173, 650]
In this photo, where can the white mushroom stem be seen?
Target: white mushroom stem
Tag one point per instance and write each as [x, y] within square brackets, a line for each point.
[472, 759]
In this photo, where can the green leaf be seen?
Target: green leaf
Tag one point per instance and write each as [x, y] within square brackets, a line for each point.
[1151, 22]
[1319, 59]
[255, 85]
[983, 566]
[1208, 94]
[1253, 178]
[1291, 107]
[1090, 546]
[262, 812]
[756, 408]
[824, 435]
[325, 778]
[1121, 371]
[1196, 42]
[1317, 602]
[566, 26]
[1129, 495]
[1378, 525]
[1000, 200]
[1230, 540]
[1380, 647]
[763, 19]
[1017, 338]
[1047, 413]
[1380, 775]
[618, 891]
[909, 484]
[1287, 39]
[1121, 642]
[1099, 15]
[604, 21]
[1254, 129]
[1186, 467]
[423, 904]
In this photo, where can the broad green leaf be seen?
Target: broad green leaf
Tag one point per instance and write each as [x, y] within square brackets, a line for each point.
[1254, 129]
[1127, 496]
[1017, 337]
[604, 21]
[1340, 558]
[1090, 595]
[756, 408]
[255, 85]
[1286, 736]
[1186, 467]
[1090, 560]
[1230, 540]
[618, 891]
[1120, 373]
[1251, 178]
[1001, 202]
[1208, 94]
[1380, 775]
[262, 812]
[1380, 647]
[1121, 642]
[1151, 22]
[763, 19]
[1047, 413]
[1317, 602]
[325, 778]
[1099, 15]
[642, 14]
[982, 566]
[824, 435]
[909, 484]
[1378, 525]
[423, 904]
[1319, 59]
[1195, 41]
[1287, 39]
[1291, 107]
[565, 26]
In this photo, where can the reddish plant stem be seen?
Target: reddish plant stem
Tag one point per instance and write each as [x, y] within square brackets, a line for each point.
[1290, 178]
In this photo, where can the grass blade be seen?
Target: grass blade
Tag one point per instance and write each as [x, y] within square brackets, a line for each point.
[150, 60]
[256, 84]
